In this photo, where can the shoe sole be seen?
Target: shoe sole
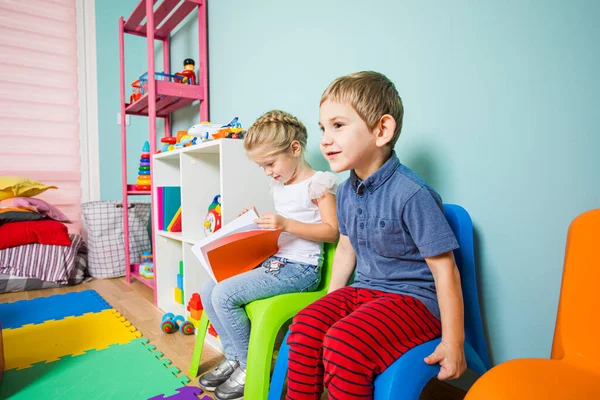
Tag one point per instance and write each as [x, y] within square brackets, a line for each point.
[207, 388]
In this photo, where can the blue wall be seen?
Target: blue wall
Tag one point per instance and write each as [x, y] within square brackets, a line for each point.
[501, 102]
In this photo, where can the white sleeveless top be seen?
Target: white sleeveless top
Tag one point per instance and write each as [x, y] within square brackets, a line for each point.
[294, 201]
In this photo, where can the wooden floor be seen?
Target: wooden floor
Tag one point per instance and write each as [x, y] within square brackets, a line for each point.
[135, 303]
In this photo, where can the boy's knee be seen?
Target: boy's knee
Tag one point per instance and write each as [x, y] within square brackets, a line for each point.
[339, 338]
[306, 316]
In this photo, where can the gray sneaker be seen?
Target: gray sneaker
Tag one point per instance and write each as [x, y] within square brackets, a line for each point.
[217, 376]
[232, 388]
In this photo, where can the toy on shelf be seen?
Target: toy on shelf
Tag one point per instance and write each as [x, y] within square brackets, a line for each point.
[168, 144]
[233, 130]
[182, 139]
[212, 222]
[147, 266]
[195, 308]
[206, 131]
[178, 291]
[136, 89]
[188, 74]
[171, 323]
[158, 76]
[143, 180]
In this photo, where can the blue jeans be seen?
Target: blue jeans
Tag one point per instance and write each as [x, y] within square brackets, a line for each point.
[224, 302]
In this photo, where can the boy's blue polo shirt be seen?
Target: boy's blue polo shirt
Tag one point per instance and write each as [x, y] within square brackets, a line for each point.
[394, 219]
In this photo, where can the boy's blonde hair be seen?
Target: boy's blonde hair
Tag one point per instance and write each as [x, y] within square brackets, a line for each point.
[276, 130]
[371, 94]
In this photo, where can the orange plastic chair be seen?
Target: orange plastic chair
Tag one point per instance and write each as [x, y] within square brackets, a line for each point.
[573, 371]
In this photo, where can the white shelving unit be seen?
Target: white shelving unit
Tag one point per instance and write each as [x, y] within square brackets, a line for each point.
[202, 171]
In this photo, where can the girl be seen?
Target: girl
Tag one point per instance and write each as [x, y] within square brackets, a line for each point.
[305, 210]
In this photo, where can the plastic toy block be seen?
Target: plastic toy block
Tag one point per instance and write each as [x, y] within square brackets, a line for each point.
[42, 309]
[184, 393]
[180, 281]
[178, 294]
[129, 371]
[195, 303]
[194, 321]
[212, 331]
[49, 341]
[181, 285]
[196, 314]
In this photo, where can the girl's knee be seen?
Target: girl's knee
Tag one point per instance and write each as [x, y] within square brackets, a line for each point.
[206, 291]
[225, 294]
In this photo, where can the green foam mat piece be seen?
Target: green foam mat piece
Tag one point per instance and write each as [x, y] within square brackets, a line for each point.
[128, 371]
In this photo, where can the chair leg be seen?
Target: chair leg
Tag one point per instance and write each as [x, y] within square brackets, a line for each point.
[260, 356]
[280, 370]
[200, 336]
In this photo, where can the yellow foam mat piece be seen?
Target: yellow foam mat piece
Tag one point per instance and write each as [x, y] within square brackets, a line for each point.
[69, 336]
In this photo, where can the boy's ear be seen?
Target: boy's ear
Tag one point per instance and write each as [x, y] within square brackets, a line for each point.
[385, 130]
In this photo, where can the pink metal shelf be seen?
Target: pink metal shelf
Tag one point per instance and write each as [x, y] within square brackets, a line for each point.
[182, 8]
[170, 96]
[132, 191]
[135, 271]
[162, 98]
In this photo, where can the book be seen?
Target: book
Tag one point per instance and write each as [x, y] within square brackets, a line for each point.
[237, 247]
[175, 224]
[171, 203]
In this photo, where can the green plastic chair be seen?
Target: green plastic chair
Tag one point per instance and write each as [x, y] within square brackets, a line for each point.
[267, 316]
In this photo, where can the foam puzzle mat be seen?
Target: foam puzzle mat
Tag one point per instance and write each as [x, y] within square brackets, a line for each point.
[77, 347]
[42, 309]
[69, 336]
[129, 371]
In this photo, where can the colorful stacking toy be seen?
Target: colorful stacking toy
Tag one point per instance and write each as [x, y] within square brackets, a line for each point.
[143, 181]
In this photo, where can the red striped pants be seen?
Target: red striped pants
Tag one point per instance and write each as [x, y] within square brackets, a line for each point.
[345, 339]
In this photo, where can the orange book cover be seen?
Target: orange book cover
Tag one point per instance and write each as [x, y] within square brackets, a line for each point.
[237, 247]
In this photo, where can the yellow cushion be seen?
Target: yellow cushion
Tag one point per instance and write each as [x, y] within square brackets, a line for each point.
[16, 186]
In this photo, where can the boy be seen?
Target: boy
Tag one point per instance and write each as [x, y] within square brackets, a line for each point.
[393, 230]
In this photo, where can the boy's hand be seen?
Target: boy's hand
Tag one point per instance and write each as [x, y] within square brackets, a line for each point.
[271, 221]
[451, 358]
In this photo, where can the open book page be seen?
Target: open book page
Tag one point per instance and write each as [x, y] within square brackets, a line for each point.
[237, 247]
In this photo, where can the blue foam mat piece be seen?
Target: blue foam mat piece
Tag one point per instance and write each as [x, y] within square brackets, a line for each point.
[56, 307]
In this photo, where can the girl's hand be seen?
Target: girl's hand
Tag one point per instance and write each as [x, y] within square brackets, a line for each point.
[271, 221]
[245, 210]
[451, 358]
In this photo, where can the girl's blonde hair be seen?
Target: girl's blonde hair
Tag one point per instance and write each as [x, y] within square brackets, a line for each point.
[276, 130]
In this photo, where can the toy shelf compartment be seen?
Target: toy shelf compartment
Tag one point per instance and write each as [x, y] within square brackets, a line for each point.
[134, 270]
[170, 97]
[166, 17]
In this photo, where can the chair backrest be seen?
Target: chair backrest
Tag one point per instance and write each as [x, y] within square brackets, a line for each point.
[576, 336]
[462, 226]
[328, 253]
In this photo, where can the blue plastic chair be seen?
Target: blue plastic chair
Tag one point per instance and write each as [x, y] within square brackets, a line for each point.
[406, 378]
